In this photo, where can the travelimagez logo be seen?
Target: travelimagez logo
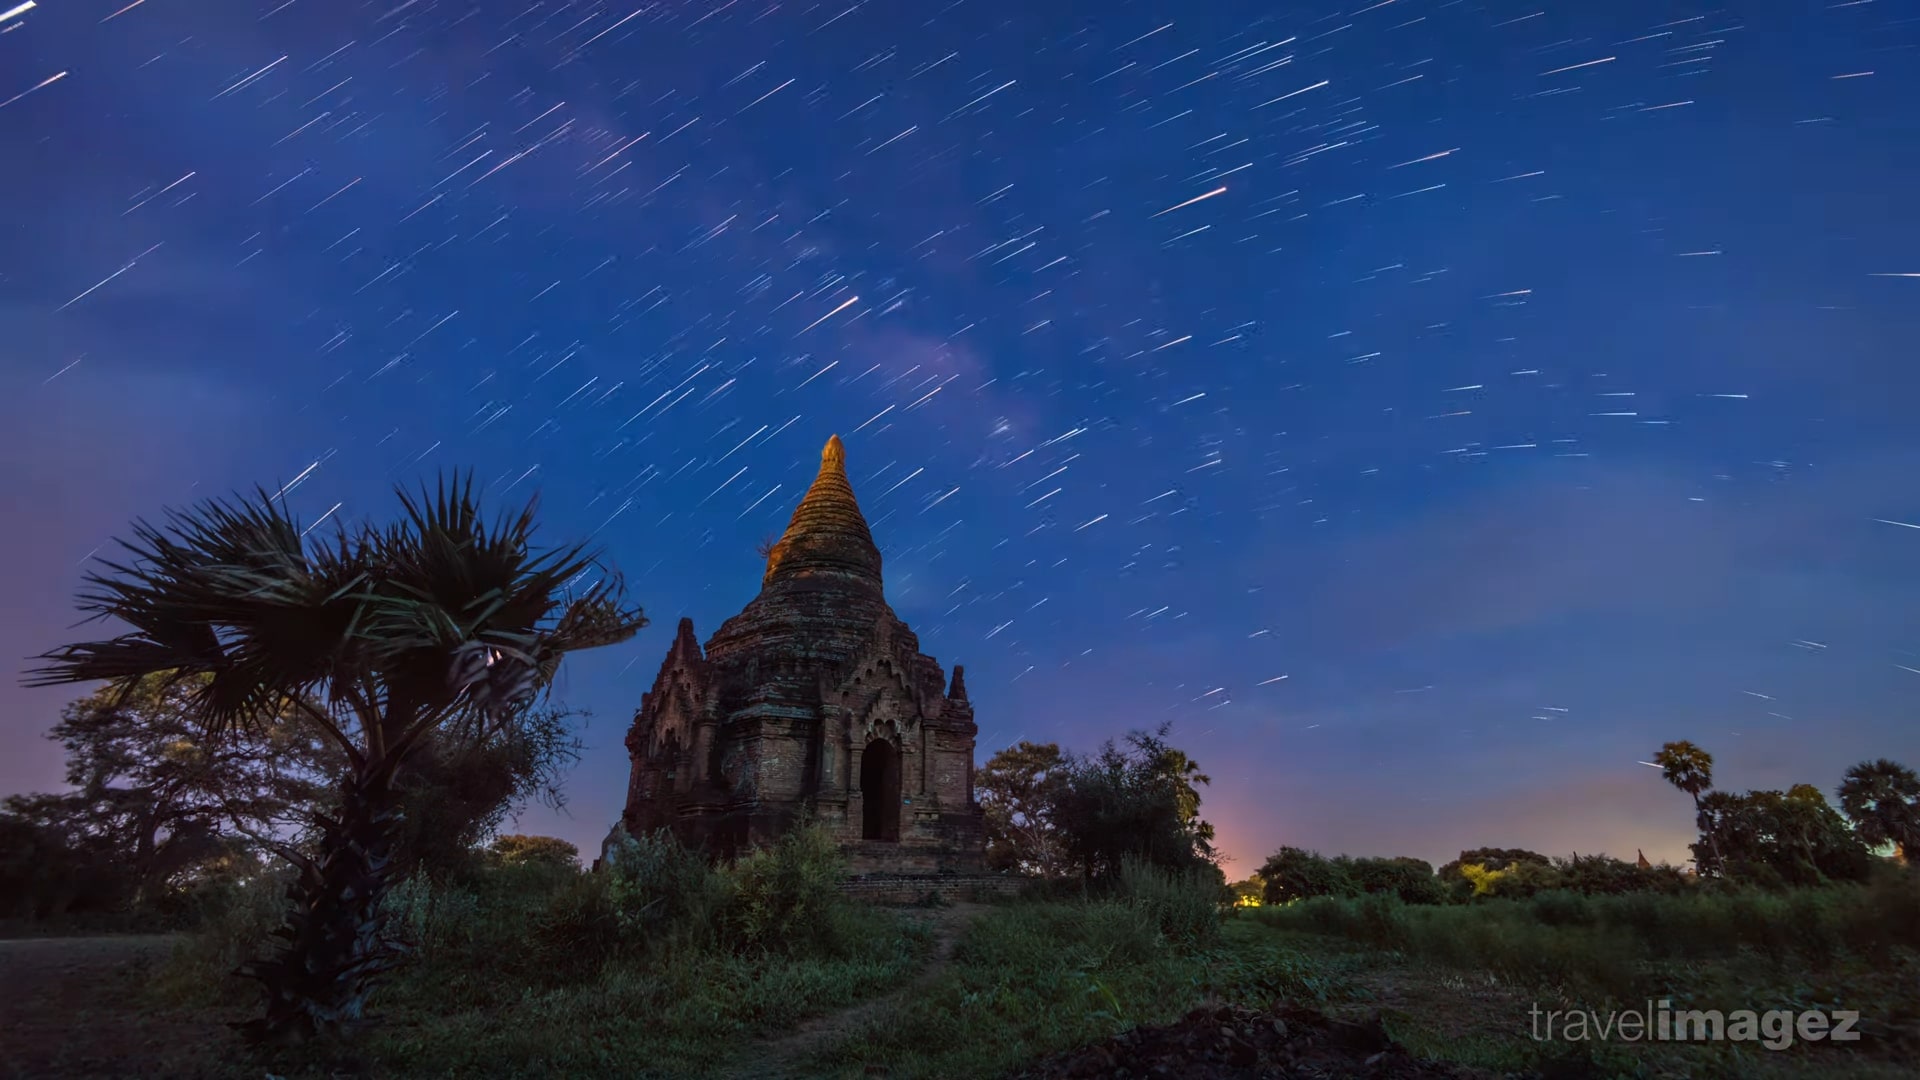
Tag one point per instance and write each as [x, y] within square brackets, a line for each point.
[1774, 1029]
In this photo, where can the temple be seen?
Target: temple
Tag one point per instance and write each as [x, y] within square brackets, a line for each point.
[815, 702]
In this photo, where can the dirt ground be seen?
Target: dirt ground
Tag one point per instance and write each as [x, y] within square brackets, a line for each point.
[1229, 1043]
[64, 1011]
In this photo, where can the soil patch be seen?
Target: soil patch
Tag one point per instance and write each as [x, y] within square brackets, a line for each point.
[1227, 1043]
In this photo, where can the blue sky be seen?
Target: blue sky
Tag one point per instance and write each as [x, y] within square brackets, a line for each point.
[1527, 387]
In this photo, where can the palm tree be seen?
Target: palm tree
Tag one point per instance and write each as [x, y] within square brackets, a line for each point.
[1690, 769]
[378, 639]
[1882, 798]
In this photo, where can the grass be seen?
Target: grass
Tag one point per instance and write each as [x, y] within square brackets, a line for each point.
[1033, 978]
[675, 1017]
[671, 969]
[654, 969]
[1457, 982]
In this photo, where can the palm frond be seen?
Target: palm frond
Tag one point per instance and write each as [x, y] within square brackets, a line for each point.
[227, 589]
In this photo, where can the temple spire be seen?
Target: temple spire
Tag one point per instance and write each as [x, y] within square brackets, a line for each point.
[684, 641]
[827, 542]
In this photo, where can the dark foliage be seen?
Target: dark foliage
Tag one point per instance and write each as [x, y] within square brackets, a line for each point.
[1140, 802]
[1603, 875]
[155, 814]
[1294, 874]
[1777, 838]
[1017, 790]
[1411, 880]
[375, 639]
[1882, 799]
[48, 868]
[459, 787]
[519, 850]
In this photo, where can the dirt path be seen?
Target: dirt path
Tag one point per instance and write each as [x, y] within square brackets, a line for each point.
[72, 1007]
[779, 1057]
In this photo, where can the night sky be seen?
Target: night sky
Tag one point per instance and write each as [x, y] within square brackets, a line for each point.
[1428, 407]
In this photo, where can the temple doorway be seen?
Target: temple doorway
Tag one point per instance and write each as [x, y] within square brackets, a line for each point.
[880, 791]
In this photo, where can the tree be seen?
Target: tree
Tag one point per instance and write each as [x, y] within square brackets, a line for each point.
[1458, 884]
[515, 849]
[1690, 769]
[1295, 874]
[1250, 892]
[1408, 878]
[1601, 875]
[462, 785]
[1778, 838]
[1882, 799]
[48, 867]
[1016, 790]
[1184, 775]
[159, 801]
[373, 638]
[1139, 803]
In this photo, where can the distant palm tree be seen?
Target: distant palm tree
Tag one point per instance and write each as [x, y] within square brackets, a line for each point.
[1185, 774]
[441, 625]
[1882, 798]
[1690, 769]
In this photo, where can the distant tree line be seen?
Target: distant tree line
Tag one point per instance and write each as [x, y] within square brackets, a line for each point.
[1795, 837]
[1770, 839]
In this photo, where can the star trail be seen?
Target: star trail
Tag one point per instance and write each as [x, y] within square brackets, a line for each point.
[1427, 407]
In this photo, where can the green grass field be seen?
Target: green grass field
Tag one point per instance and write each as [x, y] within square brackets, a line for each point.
[529, 974]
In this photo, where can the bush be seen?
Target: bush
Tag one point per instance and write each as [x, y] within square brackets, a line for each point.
[787, 896]
[1562, 907]
[658, 892]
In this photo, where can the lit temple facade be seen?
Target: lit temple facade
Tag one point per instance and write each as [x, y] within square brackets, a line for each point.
[813, 702]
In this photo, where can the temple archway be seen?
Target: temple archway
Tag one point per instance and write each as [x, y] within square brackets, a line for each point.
[880, 791]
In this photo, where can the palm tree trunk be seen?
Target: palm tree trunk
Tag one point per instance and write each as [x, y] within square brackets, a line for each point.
[334, 949]
[1713, 837]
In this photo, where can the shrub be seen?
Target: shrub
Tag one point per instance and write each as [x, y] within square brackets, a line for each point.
[1562, 907]
[660, 893]
[787, 896]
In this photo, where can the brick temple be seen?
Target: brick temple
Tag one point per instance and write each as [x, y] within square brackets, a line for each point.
[815, 701]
